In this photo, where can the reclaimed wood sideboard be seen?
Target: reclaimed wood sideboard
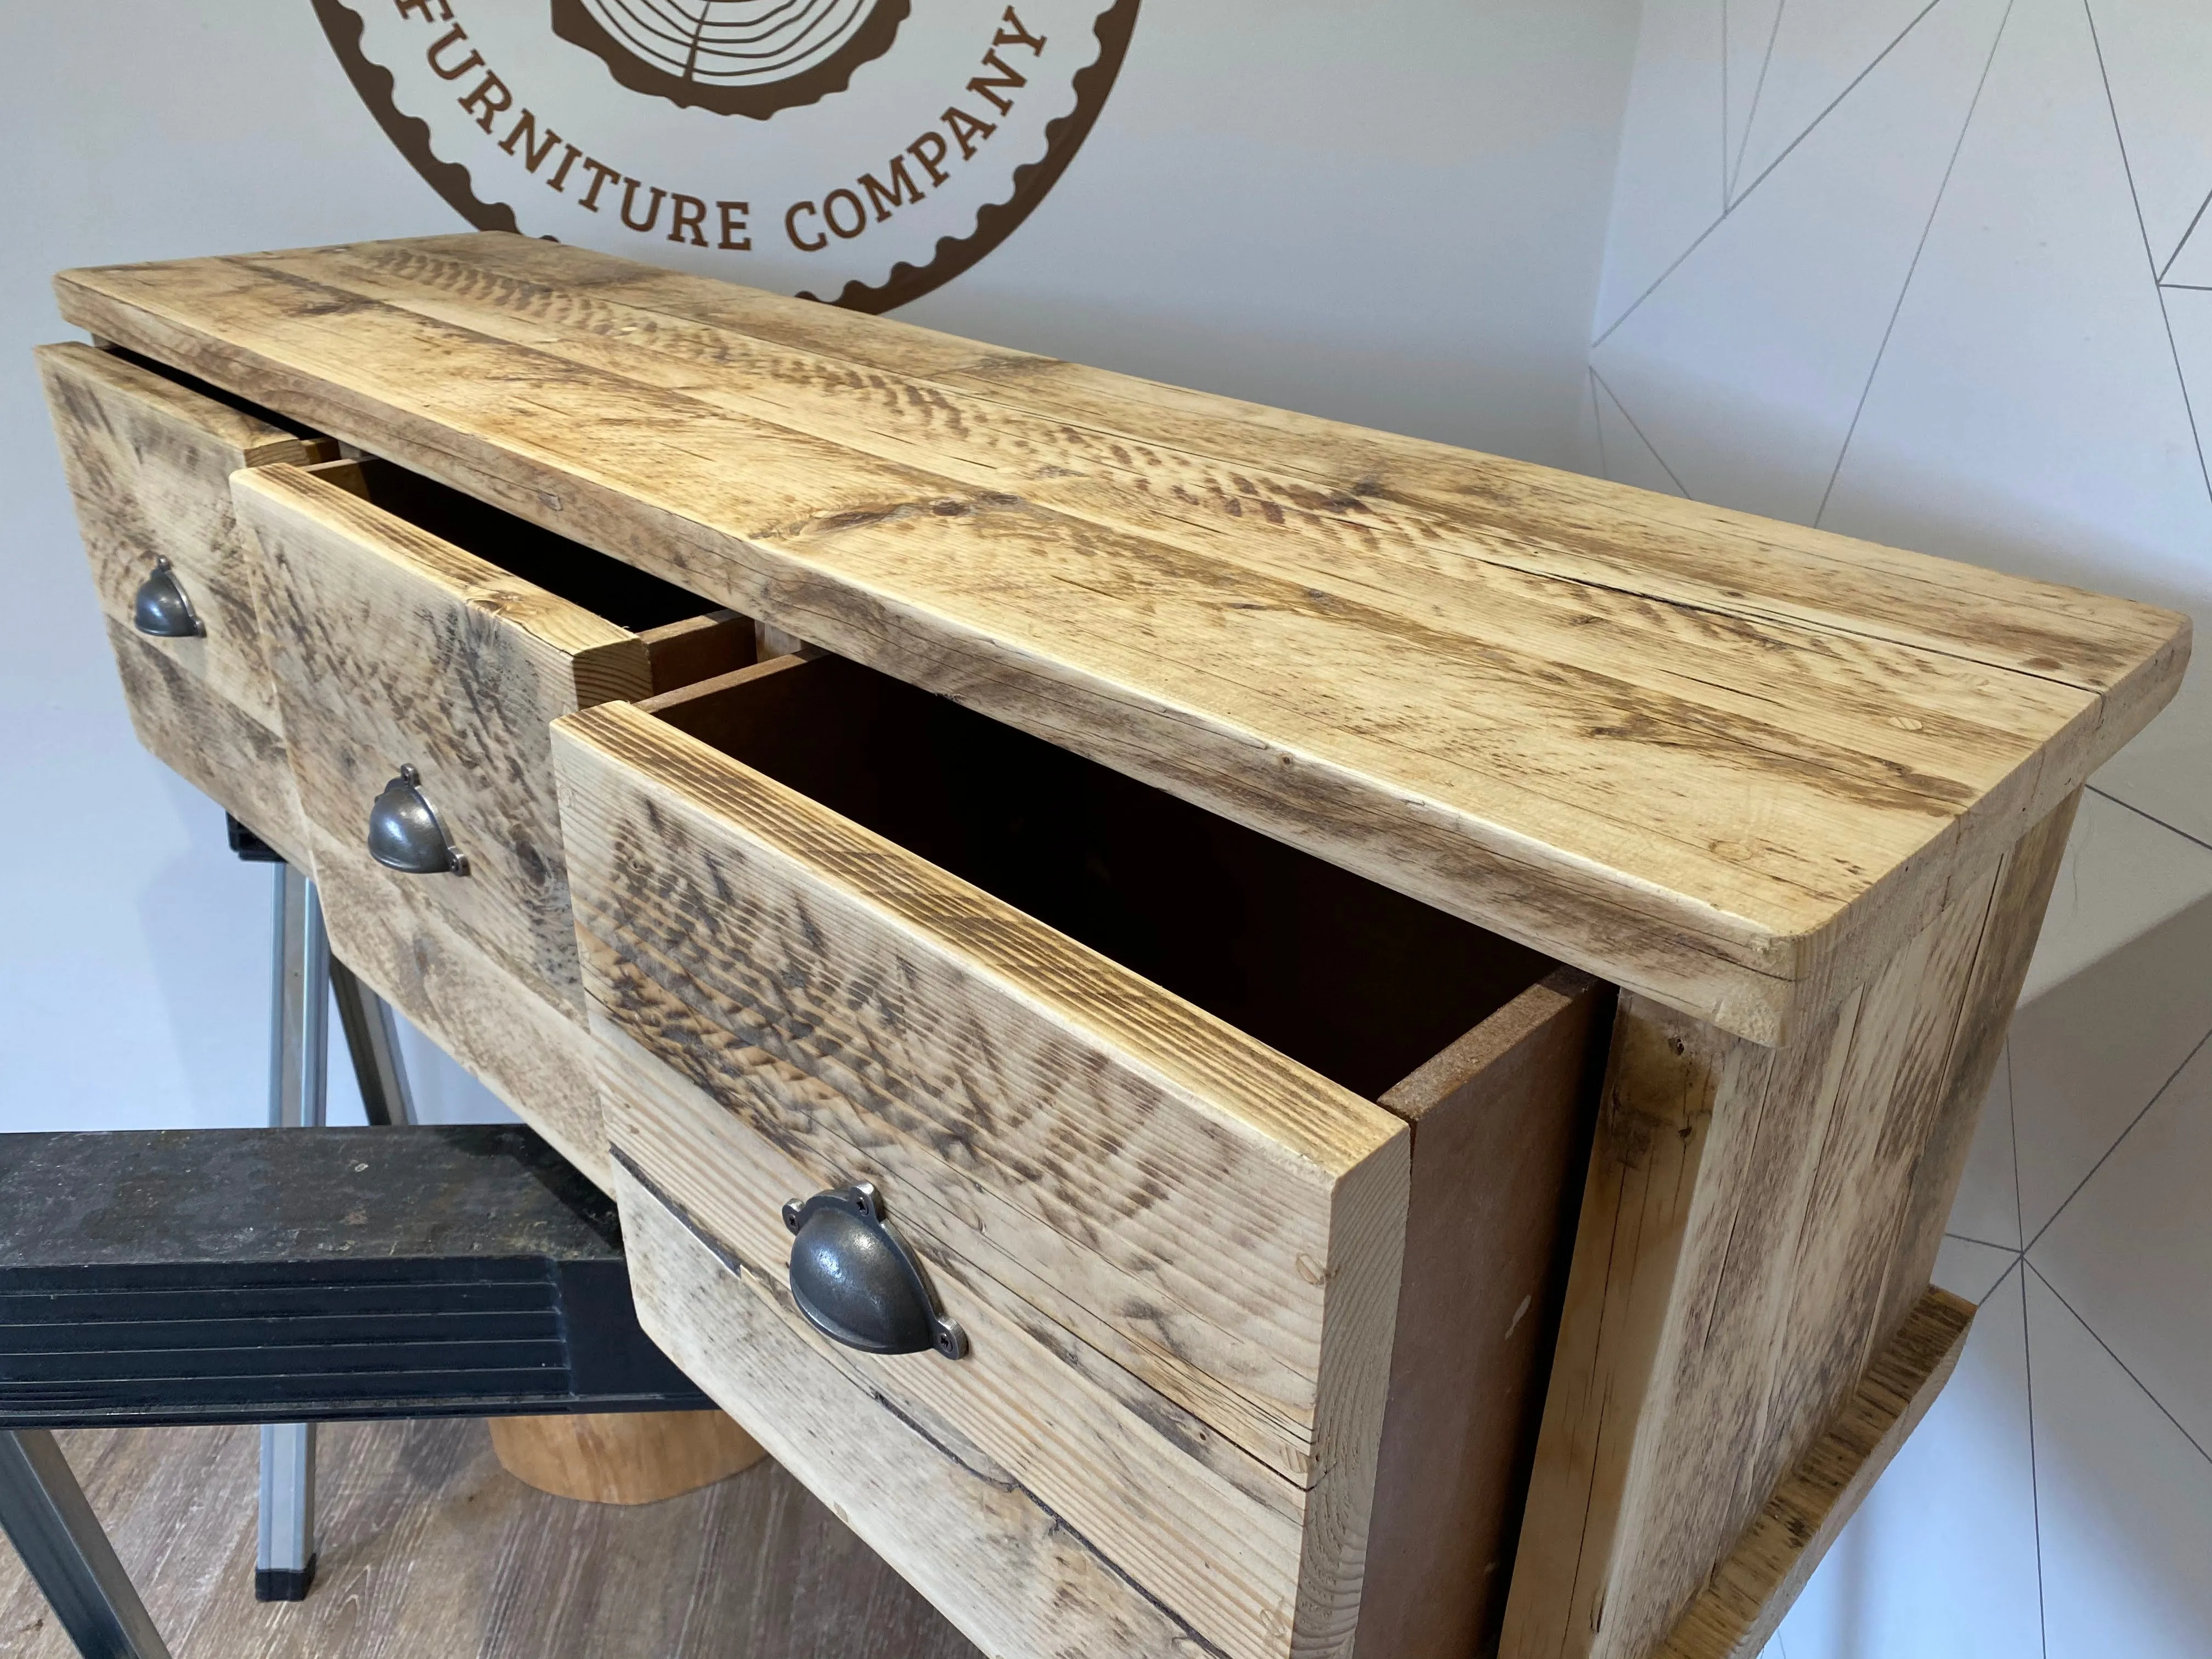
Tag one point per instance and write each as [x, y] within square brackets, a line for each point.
[1415, 1017]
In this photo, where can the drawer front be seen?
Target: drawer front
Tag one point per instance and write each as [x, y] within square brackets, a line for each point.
[149, 464]
[394, 648]
[1176, 1252]
[1018, 1581]
[209, 740]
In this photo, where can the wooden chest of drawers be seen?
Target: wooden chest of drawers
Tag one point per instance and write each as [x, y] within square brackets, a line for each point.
[1405, 1024]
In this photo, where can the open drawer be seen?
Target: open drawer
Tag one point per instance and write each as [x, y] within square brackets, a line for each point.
[149, 456]
[424, 641]
[1243, 1178]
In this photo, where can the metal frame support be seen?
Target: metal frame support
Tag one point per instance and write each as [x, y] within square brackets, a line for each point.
[299, 1063]
[299, 999]
[372, 1033]
[44, 1515]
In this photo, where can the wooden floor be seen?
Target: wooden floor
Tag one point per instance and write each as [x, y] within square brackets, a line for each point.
[430, 1550]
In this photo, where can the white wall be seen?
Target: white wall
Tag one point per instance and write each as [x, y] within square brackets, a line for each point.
[1392, 214]
[1894, 267]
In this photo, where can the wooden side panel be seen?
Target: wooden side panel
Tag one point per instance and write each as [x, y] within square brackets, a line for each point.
[2023, 892]
[1499, 1120]
[1016, 1579]
[1707, 1342]
[1667, 1077]
[685, 652]
[397, 648]
[213, 743]
[1739, 1608]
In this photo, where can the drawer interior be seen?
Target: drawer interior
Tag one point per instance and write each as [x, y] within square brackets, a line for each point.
[623, 594]
[1358, 982]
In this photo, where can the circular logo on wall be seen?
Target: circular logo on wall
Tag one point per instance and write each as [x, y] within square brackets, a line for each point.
[848, 150]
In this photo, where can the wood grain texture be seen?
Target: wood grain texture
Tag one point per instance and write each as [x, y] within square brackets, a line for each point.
[788, 1001]
[1187, 1173]
[1727, 763]
[849, 1010]
[1737, 1612]
[1749, 1215]
[1017, 1579]
[623, 1457]
[430, 1550]
[1111, 1461]
[209, 740]
[149, 464]
[533, 1052]
[697, 649]
[396, 647]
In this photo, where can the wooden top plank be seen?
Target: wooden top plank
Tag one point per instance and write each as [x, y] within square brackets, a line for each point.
[1726, 762]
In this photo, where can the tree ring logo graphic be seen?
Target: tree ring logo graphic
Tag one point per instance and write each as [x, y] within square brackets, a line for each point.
[857, 151]
[735, 56]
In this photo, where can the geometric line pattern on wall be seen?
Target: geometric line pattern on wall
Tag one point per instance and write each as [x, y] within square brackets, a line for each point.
[1994, 342]
[2157, 60]
[1629, 457]
[1750, 405]
[2153, 166]
[1614, 306]
[1751, 27]
[1822, 50]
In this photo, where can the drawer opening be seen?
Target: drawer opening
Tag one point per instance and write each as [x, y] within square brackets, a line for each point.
[625, 595]
[1360, 982]
[215, 394]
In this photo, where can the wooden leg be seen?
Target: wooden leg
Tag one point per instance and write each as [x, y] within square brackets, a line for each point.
[623, 1457]
[1757, 1225]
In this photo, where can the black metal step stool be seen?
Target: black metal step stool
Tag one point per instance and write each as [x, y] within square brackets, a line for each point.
[233, 1275]
[225, 1276]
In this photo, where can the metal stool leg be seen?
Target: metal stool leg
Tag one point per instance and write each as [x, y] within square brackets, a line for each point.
[43, 1512]
[299, 1058]
[372, 1038]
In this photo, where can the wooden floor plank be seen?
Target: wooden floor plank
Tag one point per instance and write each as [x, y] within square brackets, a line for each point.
[430, 1550]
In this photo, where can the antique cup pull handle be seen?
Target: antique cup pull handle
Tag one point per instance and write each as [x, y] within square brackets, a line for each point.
[856, 1281]
[404, 834]
[161, 608]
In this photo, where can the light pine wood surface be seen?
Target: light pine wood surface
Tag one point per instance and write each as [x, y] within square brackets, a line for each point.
[1800, 799]
[1241, 1217]
[962, 1530]
[623, 1457]
[396, 647]
[1727, 763]
[430, 1550]
[1753, 1233]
